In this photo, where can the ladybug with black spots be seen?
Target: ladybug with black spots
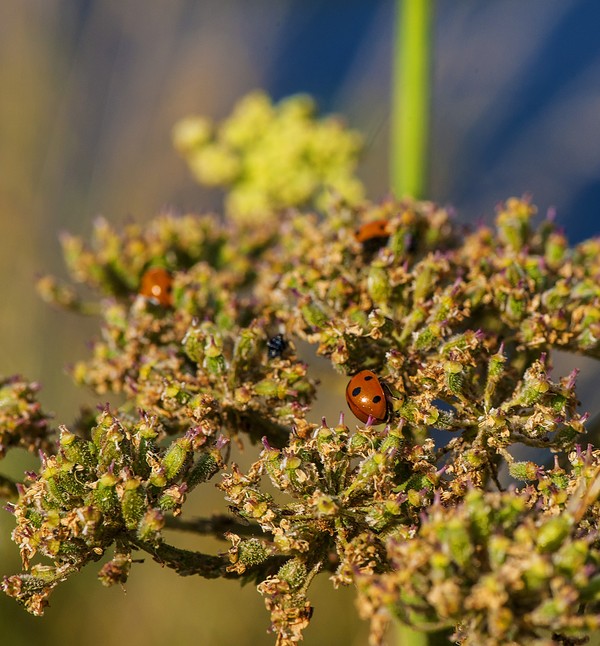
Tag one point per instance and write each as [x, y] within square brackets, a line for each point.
[366, 397]
[157, 286]
[373, 235]
[276, 346]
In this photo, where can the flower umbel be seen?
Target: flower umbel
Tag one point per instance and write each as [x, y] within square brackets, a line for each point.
[457, 326]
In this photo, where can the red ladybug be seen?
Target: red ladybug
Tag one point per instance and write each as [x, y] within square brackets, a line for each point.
[376, 231]
[365, 396]
[157, 286]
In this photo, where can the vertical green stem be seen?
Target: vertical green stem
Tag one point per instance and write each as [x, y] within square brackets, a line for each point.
[410, 127]
[405, 636]
[411, 97]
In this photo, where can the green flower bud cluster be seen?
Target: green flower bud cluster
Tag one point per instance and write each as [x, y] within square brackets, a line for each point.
[498, 567]
[459, 328]
[113, 487]
[272, 157]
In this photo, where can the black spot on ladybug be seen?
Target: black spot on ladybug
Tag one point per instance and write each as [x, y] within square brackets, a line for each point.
[368, 378]
[356, 391]
[376, 399]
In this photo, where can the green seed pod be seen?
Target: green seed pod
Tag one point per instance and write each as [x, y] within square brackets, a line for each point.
[69, 480]
[149, 526]
[513, 223]
[215, 365]
[105, 494]
[555, 251]
[523, 470]
[454, 377]
[203, 470]
[425, 282]
[378, 285]
[496, 371]
[176, 457]
[428, 337]
[314, 316]
[246, 345]
[146, 446]
[267, 388]
[172, 499]
[76, 449]
[133, 503]
[252, 552]
[193, 344]
[51, 474]
[294, 573]
[516, 307]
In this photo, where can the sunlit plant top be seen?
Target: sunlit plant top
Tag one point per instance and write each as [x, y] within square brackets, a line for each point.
[200, 324]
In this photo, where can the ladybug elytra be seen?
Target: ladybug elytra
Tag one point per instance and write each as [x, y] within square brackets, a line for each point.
[157, 285]
[376, 231]
[366, 397]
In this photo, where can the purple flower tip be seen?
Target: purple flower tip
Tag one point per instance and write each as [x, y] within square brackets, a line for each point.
[572, 378]
[222, 441]
[193, 432]
[341, 422]
[265, 443]
[370, 421]
[9, 507]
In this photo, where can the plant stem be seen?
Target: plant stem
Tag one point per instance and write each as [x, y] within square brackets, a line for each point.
[410, 128]
[411, 96]
[408, 637]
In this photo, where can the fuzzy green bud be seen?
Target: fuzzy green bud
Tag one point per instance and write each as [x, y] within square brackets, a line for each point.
[378, 285]
[267, 388]
[175, 458]
[523, 470]
[76, 449]
[203, 470]
[133, 503]
[252, 552]
[294, 573]
[454, 377]
[193, 344]
[313, 315]
[105, 494]
[150, 526]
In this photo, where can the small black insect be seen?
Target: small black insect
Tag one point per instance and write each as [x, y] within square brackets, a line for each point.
[276, 346]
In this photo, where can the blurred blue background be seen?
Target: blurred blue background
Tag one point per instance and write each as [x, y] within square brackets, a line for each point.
[89, 92]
